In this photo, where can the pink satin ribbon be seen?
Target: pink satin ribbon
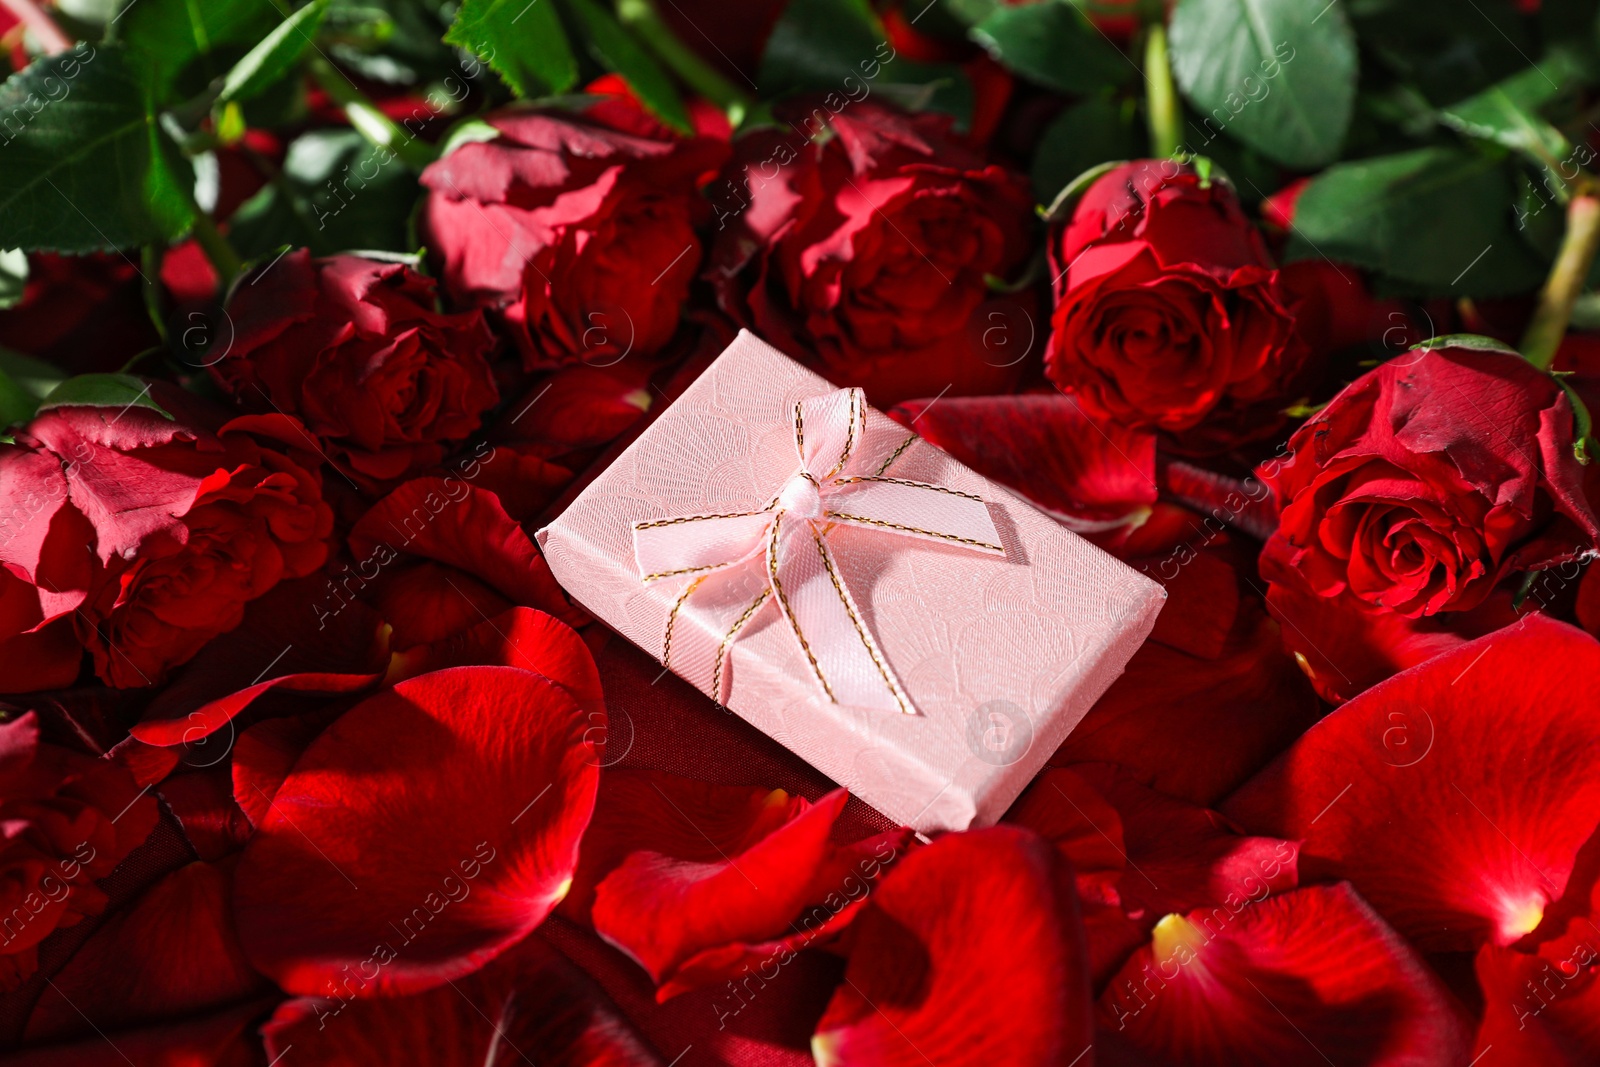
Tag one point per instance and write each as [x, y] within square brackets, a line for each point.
[737, 565]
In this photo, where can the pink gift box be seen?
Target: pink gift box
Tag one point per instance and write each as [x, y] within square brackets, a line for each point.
[972, 660]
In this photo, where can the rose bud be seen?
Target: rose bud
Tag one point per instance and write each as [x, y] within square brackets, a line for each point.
[69, 819]
[1425, 483]
[1168, 311]
[579, 237]
[867, 239]
[141, 534]
[356, 349]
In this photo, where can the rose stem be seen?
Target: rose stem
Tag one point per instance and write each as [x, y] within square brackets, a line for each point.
[216, 247]
[1161, 97]
[44, 28]
[367, 119]
[1567, 276]
[642, 17]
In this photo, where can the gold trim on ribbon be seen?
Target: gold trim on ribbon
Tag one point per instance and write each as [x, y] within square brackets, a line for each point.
[906, 481]
[672, 617]
[783, 599]
[653, 523]
[886, 464]
[850, 435]
[842, 517]
[861, 631]
[727, 643]
[687, 570]
[852, 441]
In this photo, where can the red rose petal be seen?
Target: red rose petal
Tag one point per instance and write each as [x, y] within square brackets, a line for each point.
[711, 918]
[1048, 450]
[529, 1006]
[377, 872]
[449, 521]
[1203, 606]
[1139, 854]
[170, 954]
[266, 752]
[683, 818]
[524, 482]
[1308, 976]
[427, 602]
[523, 638]
[1184, 856]
[1456, 795]
[214, 1041]
[202, 800]
[289, 641]
[1543, 1009]
[1228, 716]
[969, 952]
[1344, 647]
[1588, 606]
[580, 407]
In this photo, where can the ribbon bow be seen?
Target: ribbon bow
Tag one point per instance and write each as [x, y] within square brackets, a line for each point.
[781, 552]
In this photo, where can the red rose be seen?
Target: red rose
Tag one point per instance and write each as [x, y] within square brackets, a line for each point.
[1409, 498]
[356, 350]
[69, 820]
[869, 238]
[580, 237]
[1168, 311]
[183, 525]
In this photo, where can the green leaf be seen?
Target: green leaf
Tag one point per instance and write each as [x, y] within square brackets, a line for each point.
[839, 47]
[16, 406]
[13, 276]
[1433, 222]
[1447, 49]
[393, 41]
[1472, 342]
[615, 49]
[1081, 136]
[971, 12]
[522, 40]
[1051, 43]
[467, 131]
[338, 192]
[1062, 206]
[1279, 75]
[1507, 113]
[821, 41]
[274, 56]
[1586, 312]
[181, 46]
[1582, 422]
[34, 376]
[83, 165]
[102, 391]
[24, 381]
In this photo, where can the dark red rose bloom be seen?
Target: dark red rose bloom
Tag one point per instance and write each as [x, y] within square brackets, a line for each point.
[1429, 479]
[185, 521]
[867, 238]
[355, 348]
[69, 819]
[578, 236]
[1168, 310]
